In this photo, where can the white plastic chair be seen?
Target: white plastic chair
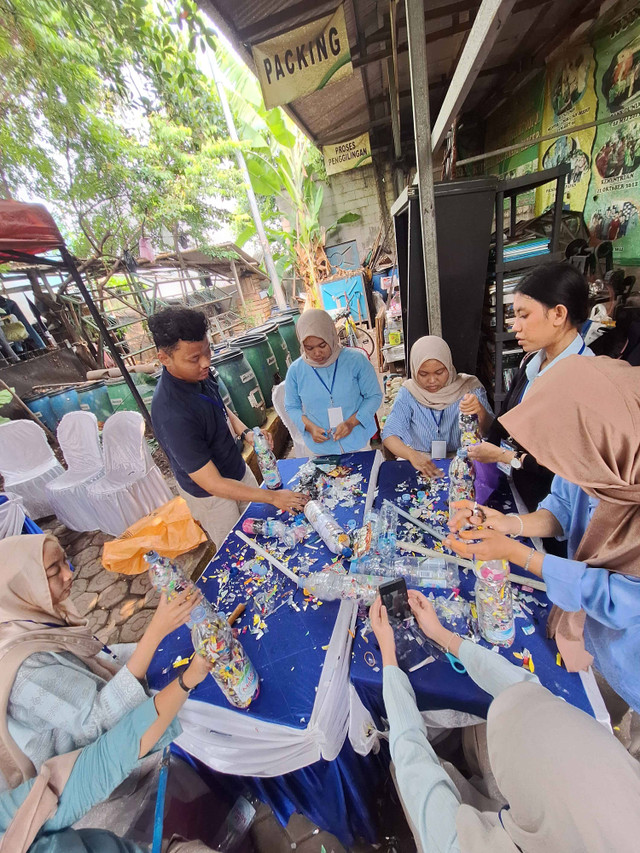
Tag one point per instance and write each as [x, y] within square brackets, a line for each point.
[11, 515]
[27, 464]
[133, 485]
[80, 442]
[300, 449]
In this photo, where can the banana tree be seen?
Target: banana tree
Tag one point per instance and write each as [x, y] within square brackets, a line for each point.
[287, 171]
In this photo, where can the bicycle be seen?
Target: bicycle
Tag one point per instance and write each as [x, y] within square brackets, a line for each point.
[351, 335]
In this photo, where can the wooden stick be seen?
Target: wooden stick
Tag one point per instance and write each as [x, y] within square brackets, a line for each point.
[532, 582]
[237, 613]
[429, 552]
[28, 411]
[270, 559]
[427, 528]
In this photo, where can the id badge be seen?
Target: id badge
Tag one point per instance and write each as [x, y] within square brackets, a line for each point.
[438, 449]
[335, 416]
[505, 467]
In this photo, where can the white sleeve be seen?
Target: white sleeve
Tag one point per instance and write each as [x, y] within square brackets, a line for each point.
[491, 671]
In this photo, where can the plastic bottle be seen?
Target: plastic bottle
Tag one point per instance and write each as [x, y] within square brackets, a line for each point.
[494, 602]
[167, 578]
[237, 824]
[232, 669]
[266, 460]
[328, 529]
[435, 572]
[330, 585]
[469, 429]
[461, 478]
[270, 527]
[365, 541]
[387, 536]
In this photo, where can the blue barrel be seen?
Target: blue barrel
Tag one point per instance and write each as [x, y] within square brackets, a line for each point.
[40, 405]
[63, 402]
[95, 398]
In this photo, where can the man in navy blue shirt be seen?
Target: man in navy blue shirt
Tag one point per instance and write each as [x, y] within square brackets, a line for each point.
[198, 432]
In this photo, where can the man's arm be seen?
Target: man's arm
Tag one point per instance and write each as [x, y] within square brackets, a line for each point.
[209, 478]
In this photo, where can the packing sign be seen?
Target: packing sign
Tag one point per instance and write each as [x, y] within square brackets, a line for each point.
[303, 60]
[347, 155]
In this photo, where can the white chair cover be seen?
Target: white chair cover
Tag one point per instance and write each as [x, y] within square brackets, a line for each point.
[80, 442]
[133, 485]
[27, 464]
[233, 742]
[300, 449]
[11, 515]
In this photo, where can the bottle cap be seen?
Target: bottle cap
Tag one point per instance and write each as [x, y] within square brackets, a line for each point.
[198, 613]
[151, 556]
[256, 430]
[347, 552]
[462, 452]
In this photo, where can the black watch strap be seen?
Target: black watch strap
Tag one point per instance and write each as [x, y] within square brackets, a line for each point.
[244, 432]
[186, 689]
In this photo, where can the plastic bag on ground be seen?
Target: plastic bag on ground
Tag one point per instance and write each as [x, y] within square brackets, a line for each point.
[170, 530]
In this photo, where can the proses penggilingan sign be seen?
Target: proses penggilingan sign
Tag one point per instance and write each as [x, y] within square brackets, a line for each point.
[347, 155]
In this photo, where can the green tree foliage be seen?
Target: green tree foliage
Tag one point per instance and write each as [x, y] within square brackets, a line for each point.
[104, 113]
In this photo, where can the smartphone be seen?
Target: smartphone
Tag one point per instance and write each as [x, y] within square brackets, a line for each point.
[395, 599]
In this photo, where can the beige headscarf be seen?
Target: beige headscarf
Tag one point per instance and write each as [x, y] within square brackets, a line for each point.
[458, 384]
[570, 785]
[582, 421]
[26, 614]
[314, 322]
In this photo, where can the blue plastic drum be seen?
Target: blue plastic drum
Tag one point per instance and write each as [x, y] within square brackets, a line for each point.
[40, 405]
[63, 402]
[95, 398]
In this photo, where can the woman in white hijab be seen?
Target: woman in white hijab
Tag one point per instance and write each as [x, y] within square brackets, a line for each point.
[567, 785]
[331, 393]
[423, 423]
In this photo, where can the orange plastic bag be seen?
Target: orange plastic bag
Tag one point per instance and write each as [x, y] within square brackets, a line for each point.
[170, 530]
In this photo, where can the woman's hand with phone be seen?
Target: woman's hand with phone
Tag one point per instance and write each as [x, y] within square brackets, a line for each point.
[383, 632]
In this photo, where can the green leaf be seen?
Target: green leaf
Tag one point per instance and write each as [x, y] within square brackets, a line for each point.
[348, 217]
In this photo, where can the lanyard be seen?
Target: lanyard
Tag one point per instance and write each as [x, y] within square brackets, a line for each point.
[435, 420]
[329, 389]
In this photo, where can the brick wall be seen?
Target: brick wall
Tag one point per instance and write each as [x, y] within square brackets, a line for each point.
[355, 192]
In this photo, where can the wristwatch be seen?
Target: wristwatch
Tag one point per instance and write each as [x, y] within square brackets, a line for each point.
[243, 434]
[186, 689]
[516, 463]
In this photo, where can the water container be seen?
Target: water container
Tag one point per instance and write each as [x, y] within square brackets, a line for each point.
[242, 385]
[257, 350]
[279, 347]
[224, 391]
[95, 398]
[40, 405]
[287, 327]
[120, 395]
[63, 402]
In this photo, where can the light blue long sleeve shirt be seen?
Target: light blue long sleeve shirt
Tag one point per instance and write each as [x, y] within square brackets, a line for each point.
[99, 769]
[417, 425]
[428, 793]
[610, 600]
[356, 390]
[576, 347]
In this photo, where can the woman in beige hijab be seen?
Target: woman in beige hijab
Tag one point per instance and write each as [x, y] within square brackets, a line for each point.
[592, 445]
[566, 784]
[60, 688]
[331, 393]
[423, 422]
[36, 817]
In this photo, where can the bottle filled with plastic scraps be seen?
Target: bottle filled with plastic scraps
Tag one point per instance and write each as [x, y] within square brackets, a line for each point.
[271, 527]
[469, 429]
[328, 529]
[232, 669]
[462, 478]
[330, 585]
[435, 572]
[494, 602]
[167, 578]
[387, 535]
[365, 542]
[266, 460]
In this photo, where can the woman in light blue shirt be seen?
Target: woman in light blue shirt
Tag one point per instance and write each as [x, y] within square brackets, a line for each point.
[567, 783]
[423, 423]
[593, 448]
[331, 394]
[37, 815]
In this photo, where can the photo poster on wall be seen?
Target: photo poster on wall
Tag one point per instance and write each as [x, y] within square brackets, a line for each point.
[569, 101]
[612, 206]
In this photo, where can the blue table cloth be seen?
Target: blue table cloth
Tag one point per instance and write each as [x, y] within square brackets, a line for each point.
[289, 657]
[436, 685]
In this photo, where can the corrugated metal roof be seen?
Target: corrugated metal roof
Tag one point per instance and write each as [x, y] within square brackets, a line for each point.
[361, 101]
